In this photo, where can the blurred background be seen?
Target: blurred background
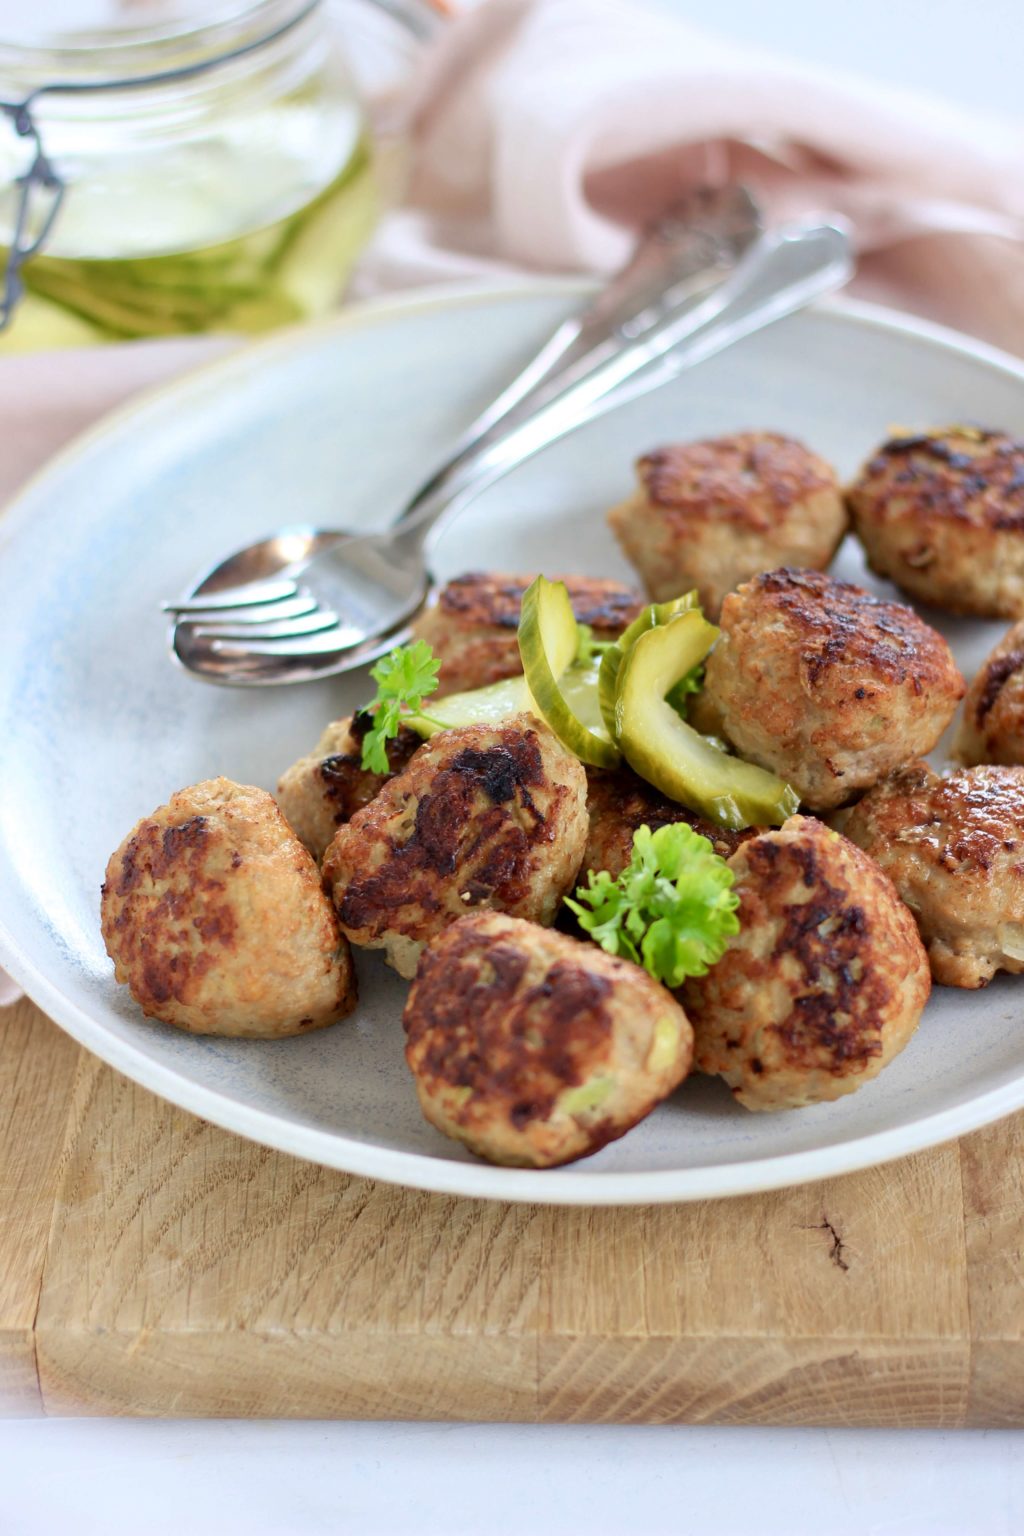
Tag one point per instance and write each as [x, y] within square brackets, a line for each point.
[174, 167]
[924, 44]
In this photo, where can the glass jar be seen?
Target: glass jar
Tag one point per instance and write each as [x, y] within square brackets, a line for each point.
[217, 168]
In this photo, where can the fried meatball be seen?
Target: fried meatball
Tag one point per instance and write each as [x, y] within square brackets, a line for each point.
[324, 789]
[484, 816]
[620, 802]
[711, 514]
[472, 626]
[827, 686]
[942, 515]
[534, 1049]
[824, 983]
[992, 727]
[954, 848]
[214, 916]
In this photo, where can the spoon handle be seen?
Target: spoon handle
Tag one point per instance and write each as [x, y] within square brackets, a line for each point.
[783, 271]
[676, 261]
[680, 257]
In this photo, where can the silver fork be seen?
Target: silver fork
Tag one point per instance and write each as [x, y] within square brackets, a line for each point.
[346, 598]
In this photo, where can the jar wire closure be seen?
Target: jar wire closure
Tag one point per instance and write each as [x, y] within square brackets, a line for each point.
[41, 186]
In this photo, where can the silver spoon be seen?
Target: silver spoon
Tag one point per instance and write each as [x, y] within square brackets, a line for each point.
[358, 592]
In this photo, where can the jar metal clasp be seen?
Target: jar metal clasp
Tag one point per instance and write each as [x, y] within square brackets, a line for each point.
[39, 186]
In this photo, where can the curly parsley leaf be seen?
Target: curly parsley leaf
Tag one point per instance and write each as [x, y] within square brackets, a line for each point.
[672, 909]
[693, 682]
[404, 678]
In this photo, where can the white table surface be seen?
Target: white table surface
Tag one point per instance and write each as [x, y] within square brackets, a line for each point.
[102, 1478]
[106, 1478]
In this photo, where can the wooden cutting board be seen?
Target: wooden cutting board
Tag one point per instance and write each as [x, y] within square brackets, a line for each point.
[151, 1264]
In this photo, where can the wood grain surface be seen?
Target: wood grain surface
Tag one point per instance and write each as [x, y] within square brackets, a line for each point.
[152, 1264]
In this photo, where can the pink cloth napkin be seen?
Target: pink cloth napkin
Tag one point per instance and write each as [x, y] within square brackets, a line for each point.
[547, 132]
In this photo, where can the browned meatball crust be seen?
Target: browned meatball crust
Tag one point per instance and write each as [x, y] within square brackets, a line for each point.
[954, 848]
[484, 816]
[533, 1049]
[619, 803]
[214, 916]
[825, 981]
[711, 514]
[827, 686]
[942, 514]
[472, 626]
[324, 789]
[992, 727]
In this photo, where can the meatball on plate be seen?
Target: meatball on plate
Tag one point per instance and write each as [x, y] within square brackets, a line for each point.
[942, 514]
[992, 726]
[214, 917]
[619, 803]
[483, 816]
[325, 788]
[825, 981]
[709, 515]
[827, 685]
[535, 1049]
[953, 846]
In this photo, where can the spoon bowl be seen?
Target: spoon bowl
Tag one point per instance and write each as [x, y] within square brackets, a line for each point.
[270, 574]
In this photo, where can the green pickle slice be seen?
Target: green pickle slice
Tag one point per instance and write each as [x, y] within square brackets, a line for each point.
[500, 701]
[670, 754]
[476, 706]
[655, 614]
[608, 686]
[548, 643]
[611, 662]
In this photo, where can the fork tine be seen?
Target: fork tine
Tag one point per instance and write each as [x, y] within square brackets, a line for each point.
[340, 637]
[289, 610]
[311, 623]
[248, 596]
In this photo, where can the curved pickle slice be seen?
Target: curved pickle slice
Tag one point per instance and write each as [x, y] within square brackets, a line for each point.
[475, 706]
[548, 643]
[611, 662]
[670, 754]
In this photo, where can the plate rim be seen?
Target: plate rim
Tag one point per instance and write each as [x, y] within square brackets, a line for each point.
[414, 1169]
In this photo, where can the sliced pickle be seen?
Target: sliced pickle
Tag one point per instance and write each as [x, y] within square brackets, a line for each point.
[608, 685]
[476, 706]
[611, 662]
[511, 696]
[674, 757]
[655, 614]
[548, 644]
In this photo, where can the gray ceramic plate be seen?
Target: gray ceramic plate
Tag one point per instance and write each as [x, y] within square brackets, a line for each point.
[336, 425]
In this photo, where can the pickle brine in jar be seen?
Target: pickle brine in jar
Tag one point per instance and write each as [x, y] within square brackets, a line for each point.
[217, 168]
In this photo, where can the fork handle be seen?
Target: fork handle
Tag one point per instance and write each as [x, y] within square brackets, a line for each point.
[785, 270]
[679, 258]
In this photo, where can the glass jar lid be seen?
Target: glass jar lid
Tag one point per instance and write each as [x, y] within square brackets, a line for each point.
[81, 40]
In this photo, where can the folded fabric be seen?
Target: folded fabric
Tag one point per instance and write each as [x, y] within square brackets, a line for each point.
[549, 131]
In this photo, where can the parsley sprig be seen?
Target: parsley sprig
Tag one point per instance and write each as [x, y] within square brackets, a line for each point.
[672, 909]
[693, 682]
[588, 649]
[404, 678]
